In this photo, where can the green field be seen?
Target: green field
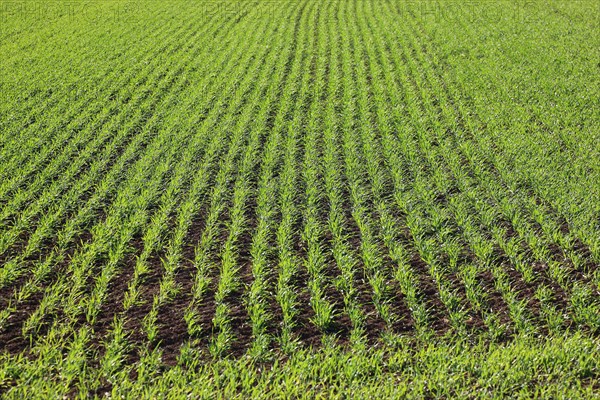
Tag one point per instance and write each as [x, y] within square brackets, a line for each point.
[300, 199]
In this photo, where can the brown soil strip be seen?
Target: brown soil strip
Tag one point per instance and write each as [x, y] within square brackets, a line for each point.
[403, 321]
[524, 292]
[275, 321]
[113, 304]
[341, 326]
[561, 298]
[17, 247]
[11, 339]
[474, 322]
[8, 292]
[172, 328]
[239, 319]
[135, 315]
[495, 302]
[439, 318]
[307, 332]
[374, 325]
[207, 309]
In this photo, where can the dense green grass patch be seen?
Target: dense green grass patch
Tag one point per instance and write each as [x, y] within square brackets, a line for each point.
[370, 198]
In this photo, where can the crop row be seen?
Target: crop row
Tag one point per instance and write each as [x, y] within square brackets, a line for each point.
[340, 173]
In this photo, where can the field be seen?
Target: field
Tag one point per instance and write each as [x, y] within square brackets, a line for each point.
[300, 199]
